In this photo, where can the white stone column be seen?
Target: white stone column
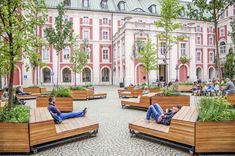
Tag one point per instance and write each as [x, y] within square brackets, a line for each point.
[192, 70]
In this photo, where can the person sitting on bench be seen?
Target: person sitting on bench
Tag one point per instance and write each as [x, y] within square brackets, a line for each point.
[230, 87]
[156, 112]
[57, 115]
[19, 92]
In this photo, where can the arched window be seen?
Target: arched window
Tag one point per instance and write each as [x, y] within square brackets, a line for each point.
[104, 4]
[211, 73]
[121, 5]
[86, 75]
[222, 48]
[153, 9]
[66, 75]
[105, 75]
[46, 72]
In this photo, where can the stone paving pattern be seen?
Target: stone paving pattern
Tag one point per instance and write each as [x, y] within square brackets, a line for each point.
[113, 138]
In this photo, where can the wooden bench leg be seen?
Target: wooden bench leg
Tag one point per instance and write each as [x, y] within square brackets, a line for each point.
[132, 133]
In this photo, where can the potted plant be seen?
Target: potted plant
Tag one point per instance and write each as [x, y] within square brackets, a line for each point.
[184, 59]
[154, 88]
[79, 93]
[215, 129]
[169, 98]
[64, 100]
[14, 129]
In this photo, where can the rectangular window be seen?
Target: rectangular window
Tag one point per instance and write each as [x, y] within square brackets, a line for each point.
[222, 34]
[210, 30]
[85, 20]
[105, 54]
[45, 54]
[85, 34]
[162, 48]
[198, 57]
[198, 28]
[66, 18]
[105, 35]
[43, 32]
[105, 20]
[66, 54]
[86, 3]
[210, 39]
[87, 50]
[211, 57]
[183, 49]
[198, 40]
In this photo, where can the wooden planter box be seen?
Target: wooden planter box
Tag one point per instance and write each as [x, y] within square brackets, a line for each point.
[215, 137]
[14, 138]
[35, 91]
[79, 94]
[231, 99]
[185, 88]
[154, 90]
[167, 102]
[65, 104]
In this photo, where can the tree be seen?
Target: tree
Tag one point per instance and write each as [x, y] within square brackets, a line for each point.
[210, 11]
[232, 33]
[229, 65]
[17, 31]
[79, 60]
[147, 56]
[61, 36]
[170, 11]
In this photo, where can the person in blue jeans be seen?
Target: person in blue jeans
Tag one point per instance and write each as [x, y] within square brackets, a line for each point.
[56, 113]
[156, 112]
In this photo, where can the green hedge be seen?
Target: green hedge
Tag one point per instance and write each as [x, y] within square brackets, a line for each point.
[60, 92]
[34, 86]
[215, 109]
[78, 88]
[18, 114]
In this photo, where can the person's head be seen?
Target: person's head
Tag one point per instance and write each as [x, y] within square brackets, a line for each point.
[227, 79]
[176, 109]
[51, 99]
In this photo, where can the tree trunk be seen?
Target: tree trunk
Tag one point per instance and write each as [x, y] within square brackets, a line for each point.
[75, 79]
[37, 76]
[217, 52]
[10, 85]
[147, 77]
[58, 70]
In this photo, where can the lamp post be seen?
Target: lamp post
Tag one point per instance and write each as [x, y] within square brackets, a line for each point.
[176, 69]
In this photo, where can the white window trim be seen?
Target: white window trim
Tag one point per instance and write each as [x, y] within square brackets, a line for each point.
[184, 48]
[198, 30]
[105, 60]
[198, 43]
[103, 23]
[103, 35]
[89, 51]
[199, 61]
[211, 52]
[222, 32]
[84, 21]
[211, 37]
[88, 34]
[67, 60]
[48, 50]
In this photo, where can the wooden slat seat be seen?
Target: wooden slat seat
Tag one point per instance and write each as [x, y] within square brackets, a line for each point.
[131, 93]
[181, 129]
[92, 95]
[26, 97]
[43, 128]
[142, 101]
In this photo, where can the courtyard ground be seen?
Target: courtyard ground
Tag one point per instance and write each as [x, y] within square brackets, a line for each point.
[113, 138]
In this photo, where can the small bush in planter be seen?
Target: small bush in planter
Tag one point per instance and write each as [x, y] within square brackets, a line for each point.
[87, 85]
[185, 83]
[61, 92]
[154, 87]
[34, 86]
[18, 114]
[215, 109]
[144, 85]
[168, 92]
[78, 88]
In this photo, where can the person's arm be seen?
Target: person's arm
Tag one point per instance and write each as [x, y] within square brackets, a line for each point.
[54, 109]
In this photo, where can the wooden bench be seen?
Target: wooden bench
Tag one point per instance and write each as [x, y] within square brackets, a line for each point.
[92, 95]
[142, 101]
[26, 97]
[181, 130]
[132, 93]
[231, 99]
[167, 102]
[44, 130]
[185, 88]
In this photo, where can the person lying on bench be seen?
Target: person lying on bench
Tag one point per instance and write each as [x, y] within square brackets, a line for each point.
[58, 116]
[20, 92]
[156, 112]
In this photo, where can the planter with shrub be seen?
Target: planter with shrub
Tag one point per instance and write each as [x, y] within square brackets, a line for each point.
[215, 129]
[35, 90]
[169, 98]
[154, 89]
[14, 129]
[64, 101]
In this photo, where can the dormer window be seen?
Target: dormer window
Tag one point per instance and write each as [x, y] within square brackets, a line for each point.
[153, 9]
[182, 13]
[86, 3]
[121, 5]
[104, 4]
[67, 3]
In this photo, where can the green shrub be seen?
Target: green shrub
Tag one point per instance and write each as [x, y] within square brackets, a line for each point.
[185, 83]
[144, 85]
[88, 85]
[61, 92]
[154, 87]
[215, 109]
[34, 86]
[78, 88]
[18, 114]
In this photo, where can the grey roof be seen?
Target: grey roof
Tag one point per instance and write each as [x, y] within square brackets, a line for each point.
[130, 5]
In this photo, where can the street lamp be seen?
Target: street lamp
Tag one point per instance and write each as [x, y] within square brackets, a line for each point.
[176, 69]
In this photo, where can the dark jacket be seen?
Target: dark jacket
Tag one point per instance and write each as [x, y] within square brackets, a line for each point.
[166, 119]
[52, 107]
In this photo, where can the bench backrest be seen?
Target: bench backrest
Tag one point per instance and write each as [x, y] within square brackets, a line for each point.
[40, 115]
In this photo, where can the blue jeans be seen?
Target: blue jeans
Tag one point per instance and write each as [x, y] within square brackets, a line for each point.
[64, 116]
[154, 111]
